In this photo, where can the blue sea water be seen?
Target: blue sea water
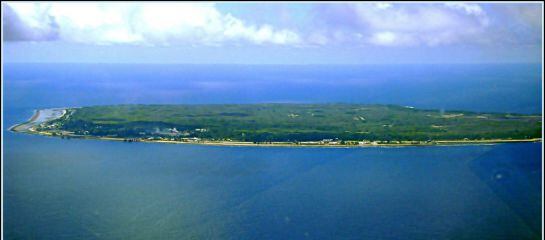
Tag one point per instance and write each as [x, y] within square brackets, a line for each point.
[492, 88]
[88, 189]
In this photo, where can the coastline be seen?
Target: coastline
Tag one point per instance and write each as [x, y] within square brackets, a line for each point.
[32, 119]
[41, 116]
[291, 144]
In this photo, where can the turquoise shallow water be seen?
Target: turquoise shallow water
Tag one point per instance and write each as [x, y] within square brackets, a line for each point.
[89, 189]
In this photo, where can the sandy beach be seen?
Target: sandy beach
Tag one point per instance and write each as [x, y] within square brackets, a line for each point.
[39, 117]
[26, 125]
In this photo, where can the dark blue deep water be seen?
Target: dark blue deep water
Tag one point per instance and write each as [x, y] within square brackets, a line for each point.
[89, 189]
[492, 88]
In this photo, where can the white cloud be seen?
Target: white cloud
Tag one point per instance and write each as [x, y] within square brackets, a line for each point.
[143, 23]
[391, 39]
[469, 8]
[383, 5]
[403, 24]
[384, 38]
[350, 24]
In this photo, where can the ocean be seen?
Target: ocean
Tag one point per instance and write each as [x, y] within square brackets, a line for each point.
[90, 189]
[489, 88]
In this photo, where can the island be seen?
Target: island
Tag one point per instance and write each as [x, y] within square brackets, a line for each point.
[284, 125]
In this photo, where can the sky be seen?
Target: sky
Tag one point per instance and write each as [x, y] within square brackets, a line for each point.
[272, 33]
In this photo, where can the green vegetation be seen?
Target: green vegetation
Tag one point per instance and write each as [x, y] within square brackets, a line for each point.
[293, 123]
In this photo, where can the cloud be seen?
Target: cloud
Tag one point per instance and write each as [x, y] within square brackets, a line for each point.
[36, 28]
[138, 23]
[387, 38]
[524, 25]
[469, 8]
[331, 24]
[403, 24]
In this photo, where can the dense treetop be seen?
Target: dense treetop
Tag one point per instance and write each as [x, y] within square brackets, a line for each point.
[296, 122]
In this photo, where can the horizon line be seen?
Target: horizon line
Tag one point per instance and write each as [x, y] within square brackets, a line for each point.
[279, 64]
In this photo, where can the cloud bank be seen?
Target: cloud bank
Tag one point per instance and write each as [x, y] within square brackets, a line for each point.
[404, 24]
[353, 24]
[138, 23]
